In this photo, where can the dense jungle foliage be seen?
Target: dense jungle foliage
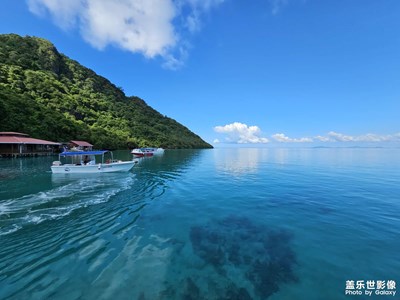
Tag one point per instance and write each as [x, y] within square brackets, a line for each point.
[47, 95]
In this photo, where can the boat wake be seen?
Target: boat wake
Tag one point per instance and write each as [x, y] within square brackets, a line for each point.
[68, 195]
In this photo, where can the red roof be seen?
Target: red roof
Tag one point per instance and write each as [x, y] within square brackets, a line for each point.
[24, 140]
[12, 133]
[82, 143]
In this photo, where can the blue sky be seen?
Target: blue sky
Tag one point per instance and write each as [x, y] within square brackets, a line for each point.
[255, 73]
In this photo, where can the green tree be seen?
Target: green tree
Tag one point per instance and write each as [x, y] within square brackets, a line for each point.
[48, 95]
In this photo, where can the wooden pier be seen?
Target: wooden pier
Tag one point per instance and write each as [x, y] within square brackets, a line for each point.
[22, 155]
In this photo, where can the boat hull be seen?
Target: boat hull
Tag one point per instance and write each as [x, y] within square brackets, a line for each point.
[97, 168]
[142, 154]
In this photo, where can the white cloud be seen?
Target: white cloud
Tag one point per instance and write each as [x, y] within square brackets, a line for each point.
[197, 8]
[204, 4]
[64, 13]
[323, 138]
[280, 137]
[339, 137]
[241, 133]
[277, 5]
[138, 26]
[150, 27]
[193, 23]
[369, 137]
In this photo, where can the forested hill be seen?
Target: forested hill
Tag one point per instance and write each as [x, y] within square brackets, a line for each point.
[47, 95]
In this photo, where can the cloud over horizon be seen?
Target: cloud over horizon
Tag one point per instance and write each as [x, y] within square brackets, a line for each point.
[241, 133]
[150, 27]
[339, 137]
[369, 137]
[280, 137]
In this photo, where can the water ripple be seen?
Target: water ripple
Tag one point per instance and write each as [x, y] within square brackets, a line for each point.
[58, 202]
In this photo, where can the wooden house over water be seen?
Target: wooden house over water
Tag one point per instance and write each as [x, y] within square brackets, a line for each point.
[15, 144]
[80, 145]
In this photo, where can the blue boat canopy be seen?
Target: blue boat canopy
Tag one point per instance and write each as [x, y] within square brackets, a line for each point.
[75, 153]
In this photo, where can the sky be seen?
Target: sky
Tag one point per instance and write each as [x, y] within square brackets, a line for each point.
[250, 73]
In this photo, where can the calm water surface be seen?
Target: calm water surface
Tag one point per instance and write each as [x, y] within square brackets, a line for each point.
[203, 224]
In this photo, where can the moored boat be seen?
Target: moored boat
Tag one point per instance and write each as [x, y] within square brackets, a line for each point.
[141, 152]
[85, 162]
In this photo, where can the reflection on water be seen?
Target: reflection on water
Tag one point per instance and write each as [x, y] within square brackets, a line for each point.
[238, 161]
[241, 161]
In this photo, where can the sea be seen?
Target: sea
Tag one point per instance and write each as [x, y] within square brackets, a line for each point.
[224, 223]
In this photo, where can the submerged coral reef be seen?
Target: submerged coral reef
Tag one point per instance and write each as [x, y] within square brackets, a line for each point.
[232, 258]
[237, 247]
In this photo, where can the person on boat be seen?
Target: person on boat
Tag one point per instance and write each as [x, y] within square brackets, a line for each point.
[86, 160]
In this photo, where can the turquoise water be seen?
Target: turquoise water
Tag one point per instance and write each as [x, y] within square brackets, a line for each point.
[203, 224]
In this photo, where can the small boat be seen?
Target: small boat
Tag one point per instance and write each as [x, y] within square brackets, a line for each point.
[141, 152]
[85, 162]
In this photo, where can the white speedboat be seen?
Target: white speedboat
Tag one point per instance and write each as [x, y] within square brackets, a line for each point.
[85, 162]
[141, 152]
